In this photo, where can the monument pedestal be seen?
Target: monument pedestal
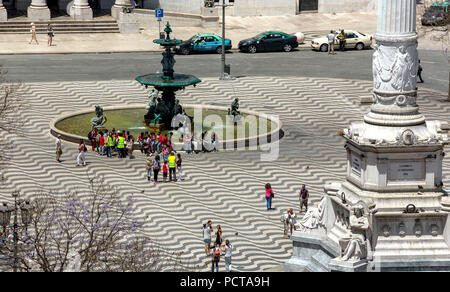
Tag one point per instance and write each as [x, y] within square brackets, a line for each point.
[82, 13]
[38, 13]
[337, 265]
[3, 14]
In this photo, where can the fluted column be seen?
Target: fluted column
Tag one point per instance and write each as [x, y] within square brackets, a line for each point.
[81, 10]
[395, 62]
[3, 13]
[118, 7]
[38, 10]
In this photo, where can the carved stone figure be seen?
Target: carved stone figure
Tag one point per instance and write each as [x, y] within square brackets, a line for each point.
[168, 62]
[355, 246]
[313, 219]
[74, 262]
[177, 109]
[402, 72]
[100, 120]
[153, 96]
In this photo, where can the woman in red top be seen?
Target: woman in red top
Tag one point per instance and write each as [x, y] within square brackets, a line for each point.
[101, 143]
[269, 195]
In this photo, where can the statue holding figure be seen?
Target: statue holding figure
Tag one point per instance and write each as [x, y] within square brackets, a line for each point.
[153, 96]
[100, 120]
[313, 219]
[355, 246]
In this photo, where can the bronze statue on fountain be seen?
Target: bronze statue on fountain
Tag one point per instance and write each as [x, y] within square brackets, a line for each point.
[162, 109]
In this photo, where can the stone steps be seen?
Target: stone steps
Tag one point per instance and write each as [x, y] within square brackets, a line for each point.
[69, 26]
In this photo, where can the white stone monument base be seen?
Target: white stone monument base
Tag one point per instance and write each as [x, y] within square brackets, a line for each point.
[210, 11]
[36, 13]
[116, 10]
[82, 13]
[128, 23]
[337, 265]
[3, 14]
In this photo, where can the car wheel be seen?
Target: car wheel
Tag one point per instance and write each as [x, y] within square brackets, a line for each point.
[219, 50]
[359, 46]
[287, 48]
[324, 48]
[252, 49]
[185, 51]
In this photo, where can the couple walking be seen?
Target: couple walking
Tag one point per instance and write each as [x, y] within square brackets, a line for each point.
[50, 34]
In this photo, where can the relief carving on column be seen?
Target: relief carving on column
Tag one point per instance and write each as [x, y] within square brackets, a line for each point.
[399, 74]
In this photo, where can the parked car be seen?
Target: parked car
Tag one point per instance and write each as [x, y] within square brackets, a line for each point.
[202, 43]
[269, 41]
[354, 40]
[437, 14]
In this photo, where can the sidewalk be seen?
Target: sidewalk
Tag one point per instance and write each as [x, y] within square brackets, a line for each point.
[238, 28]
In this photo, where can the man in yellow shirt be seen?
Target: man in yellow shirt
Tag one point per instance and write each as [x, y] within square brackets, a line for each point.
[172, 166]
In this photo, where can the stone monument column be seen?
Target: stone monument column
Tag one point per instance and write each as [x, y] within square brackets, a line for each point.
[3, 13]
[38, 10]
[395, 62]
[81, 10]
[118, 7]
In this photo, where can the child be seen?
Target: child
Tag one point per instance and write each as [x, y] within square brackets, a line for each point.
[101, 142]
[165, 171]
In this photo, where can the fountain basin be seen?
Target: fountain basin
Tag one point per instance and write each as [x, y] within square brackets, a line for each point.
[75, 126]
[158, 80]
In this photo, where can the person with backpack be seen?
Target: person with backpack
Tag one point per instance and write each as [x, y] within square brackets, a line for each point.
[156, 166]
[269, 196]
[227, 252]
[81, 153]
[215, 253]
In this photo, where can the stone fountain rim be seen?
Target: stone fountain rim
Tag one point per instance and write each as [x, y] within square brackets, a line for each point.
[251, 141]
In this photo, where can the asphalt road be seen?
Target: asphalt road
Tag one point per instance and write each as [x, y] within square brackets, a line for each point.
[81, 67]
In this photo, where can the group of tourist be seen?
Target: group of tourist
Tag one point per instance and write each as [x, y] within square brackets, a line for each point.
[217, 250]
[110, 142]
[156, 143]
[171, 165]
[50, 34]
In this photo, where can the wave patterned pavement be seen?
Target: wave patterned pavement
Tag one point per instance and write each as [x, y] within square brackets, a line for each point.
[226, 187]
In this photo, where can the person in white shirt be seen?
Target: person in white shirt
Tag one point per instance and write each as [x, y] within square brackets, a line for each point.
[331, 38]
[227, 251]
[292, 219]
[285, 219]
[58, 148]
[207, 229]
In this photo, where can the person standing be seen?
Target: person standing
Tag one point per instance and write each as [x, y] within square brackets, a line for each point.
[215, 253]
[219, 235]
[130, 145]
[179, 167]
[227, 251]
[111, 144]
[207, 229]
[303, 197]
[214, 141]
[93, 138]
[33, 34]
[101, 143]
[285, 220]
[331, 38]
[149, 168]
[165, 171]
[269, 196]
[342, 40]
[292, 219]
[50, 34]
[419, 72]
[121, 145]
[81, 153]
[172, 167]
[58, 148]
[156, 168]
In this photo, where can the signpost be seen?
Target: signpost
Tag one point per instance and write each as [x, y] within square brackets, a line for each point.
[159, 14]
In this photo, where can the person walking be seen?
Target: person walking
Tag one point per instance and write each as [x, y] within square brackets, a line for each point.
[419, 72]
[331, 38]
[342, 40]
[172, 167]
[227, 253]
[215, 253]
[269, 196]
[81, 153]
[156, 167]
[303, 197]
[50, 35]
[207, 229]
[33, 34]
[179, 167]
[58, 148]
[219, 235]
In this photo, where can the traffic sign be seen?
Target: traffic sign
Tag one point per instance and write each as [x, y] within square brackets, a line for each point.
[159, 13]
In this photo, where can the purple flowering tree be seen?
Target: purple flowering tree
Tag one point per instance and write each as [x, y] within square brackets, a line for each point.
[95, 230]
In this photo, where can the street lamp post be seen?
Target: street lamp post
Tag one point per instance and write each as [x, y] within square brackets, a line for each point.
[5, 217]
[225, 69]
